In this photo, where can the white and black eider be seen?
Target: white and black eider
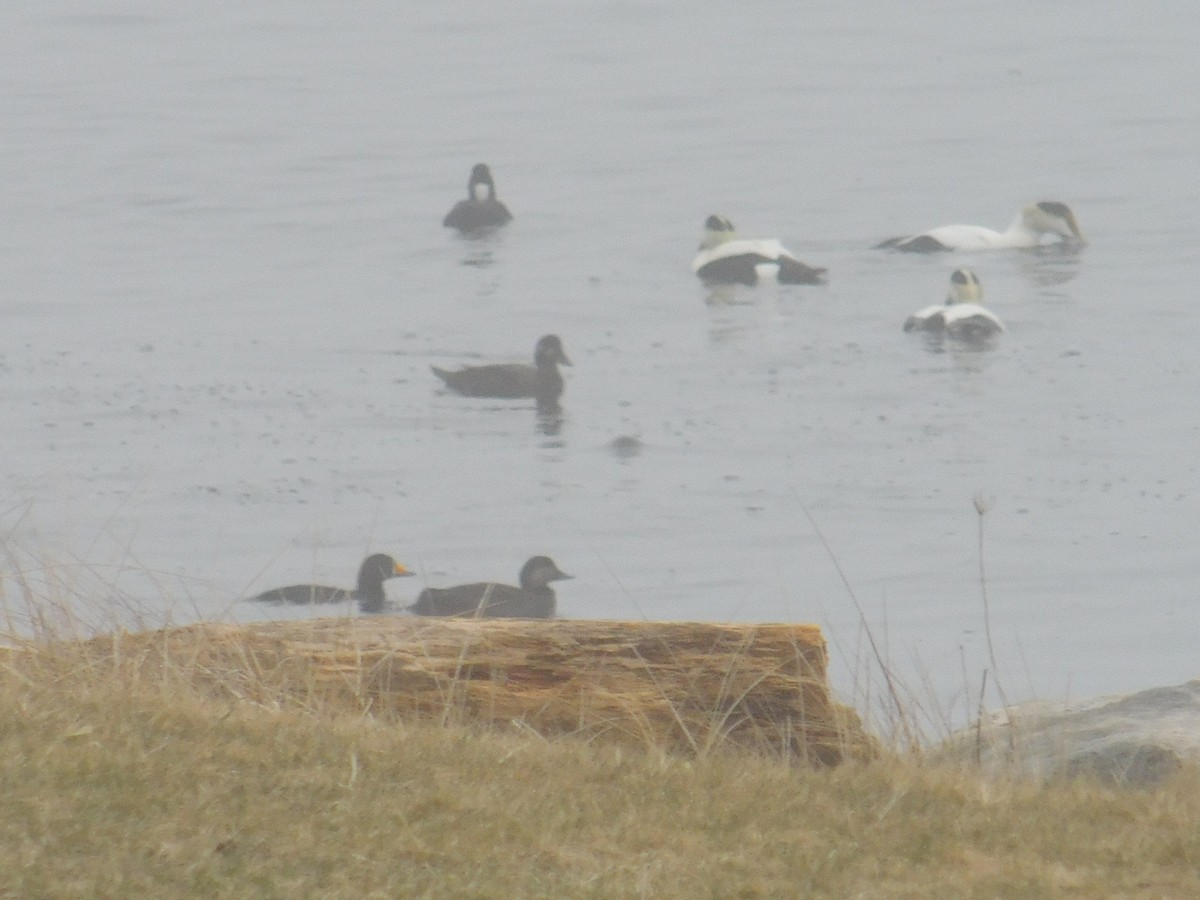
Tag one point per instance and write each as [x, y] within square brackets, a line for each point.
[724, 258]
[963, 315]
[1026, 230]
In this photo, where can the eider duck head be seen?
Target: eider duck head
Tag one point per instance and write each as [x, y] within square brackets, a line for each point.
[1052, 217]
[717, 230]
[964, 288]
[480, 185]
[549, 352]
[539, 571]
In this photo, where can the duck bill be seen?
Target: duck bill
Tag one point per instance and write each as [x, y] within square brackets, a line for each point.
[1074, 226]
[400, 570]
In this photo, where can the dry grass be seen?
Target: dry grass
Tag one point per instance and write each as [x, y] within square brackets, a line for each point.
[687, 687]
[119, 783]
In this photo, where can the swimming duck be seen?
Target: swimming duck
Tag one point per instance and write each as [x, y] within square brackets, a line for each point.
[541, 381]
[532, 600]
[1026, 230]
[481, 209]
[724, 258]
[373, 572]
[962, 316]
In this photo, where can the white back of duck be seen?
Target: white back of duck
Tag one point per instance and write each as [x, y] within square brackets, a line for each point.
[721, 240]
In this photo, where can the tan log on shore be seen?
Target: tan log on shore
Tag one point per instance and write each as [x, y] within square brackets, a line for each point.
[679, 686]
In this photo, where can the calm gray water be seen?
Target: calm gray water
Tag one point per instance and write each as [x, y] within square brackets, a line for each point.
[224, 280]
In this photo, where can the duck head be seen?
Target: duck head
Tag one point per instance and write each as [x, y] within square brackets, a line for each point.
[1052, 217]
[480, 185]
[717, 230]
[378, 568]
[539, 571]
[964, 288]
[549, 352]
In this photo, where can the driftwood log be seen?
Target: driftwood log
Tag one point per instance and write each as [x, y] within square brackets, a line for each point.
[679, 686]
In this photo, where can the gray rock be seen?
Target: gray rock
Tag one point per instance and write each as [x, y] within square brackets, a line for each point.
[1136, 740]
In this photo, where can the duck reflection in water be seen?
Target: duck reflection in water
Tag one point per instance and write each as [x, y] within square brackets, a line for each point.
[1052, 264]
[549, 419]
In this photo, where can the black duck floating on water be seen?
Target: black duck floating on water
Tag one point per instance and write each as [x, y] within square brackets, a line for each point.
[481, 211]
[542, 381]
[532, 600]
[373, 572]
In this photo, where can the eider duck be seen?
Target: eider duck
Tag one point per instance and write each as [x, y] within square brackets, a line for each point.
[542, 381]
[373, 572]
[532, 600]
[962, 316]
[481, 210]
[1026, 230]
[724, 258]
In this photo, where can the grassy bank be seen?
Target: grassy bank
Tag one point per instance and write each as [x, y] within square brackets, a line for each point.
[116, 785]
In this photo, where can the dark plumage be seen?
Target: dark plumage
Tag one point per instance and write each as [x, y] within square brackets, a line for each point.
[532, 600]
[541, 381]
[921, 243]
[373, 572]
[481, 210]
